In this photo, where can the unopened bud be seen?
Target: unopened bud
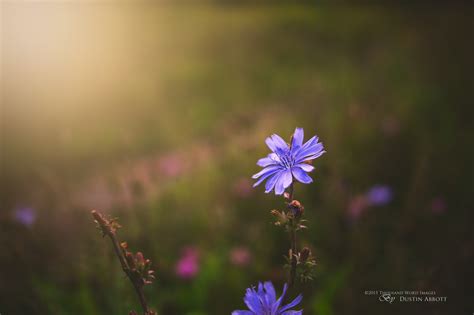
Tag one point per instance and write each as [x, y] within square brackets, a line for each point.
[98, 217]
[295, 204]
[296, 208]
[281, 217]
[139, 258]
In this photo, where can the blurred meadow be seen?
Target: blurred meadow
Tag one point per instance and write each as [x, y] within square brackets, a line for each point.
[157, 113]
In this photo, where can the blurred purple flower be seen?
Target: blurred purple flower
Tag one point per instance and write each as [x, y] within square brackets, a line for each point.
[240, 256]
[288, 162]
[438, 205]
[263, 301]
[379, 195]
[25, 215]
[187, 266]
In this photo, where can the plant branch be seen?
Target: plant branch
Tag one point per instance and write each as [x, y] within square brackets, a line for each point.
[137, 276]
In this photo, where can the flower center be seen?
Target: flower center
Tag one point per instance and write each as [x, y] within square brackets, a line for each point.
[286, 159]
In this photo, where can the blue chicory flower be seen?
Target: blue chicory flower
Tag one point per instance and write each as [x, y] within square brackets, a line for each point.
[288, 161]
[263, 301]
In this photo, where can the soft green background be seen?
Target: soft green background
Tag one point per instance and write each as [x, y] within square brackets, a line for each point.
[96, 95]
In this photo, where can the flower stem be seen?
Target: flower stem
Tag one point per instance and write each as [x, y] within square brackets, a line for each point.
[292, 232]
[291, 192]
[293, 257]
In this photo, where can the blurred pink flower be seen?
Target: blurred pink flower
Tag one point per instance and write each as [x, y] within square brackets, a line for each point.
[243, 187]
[438, 205]
[377, 195]
[187, 266]
[240, 256]
[357, 206]
[171, 165]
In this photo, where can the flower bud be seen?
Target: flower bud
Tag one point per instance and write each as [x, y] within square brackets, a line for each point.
[296, 208]
[280, 216]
